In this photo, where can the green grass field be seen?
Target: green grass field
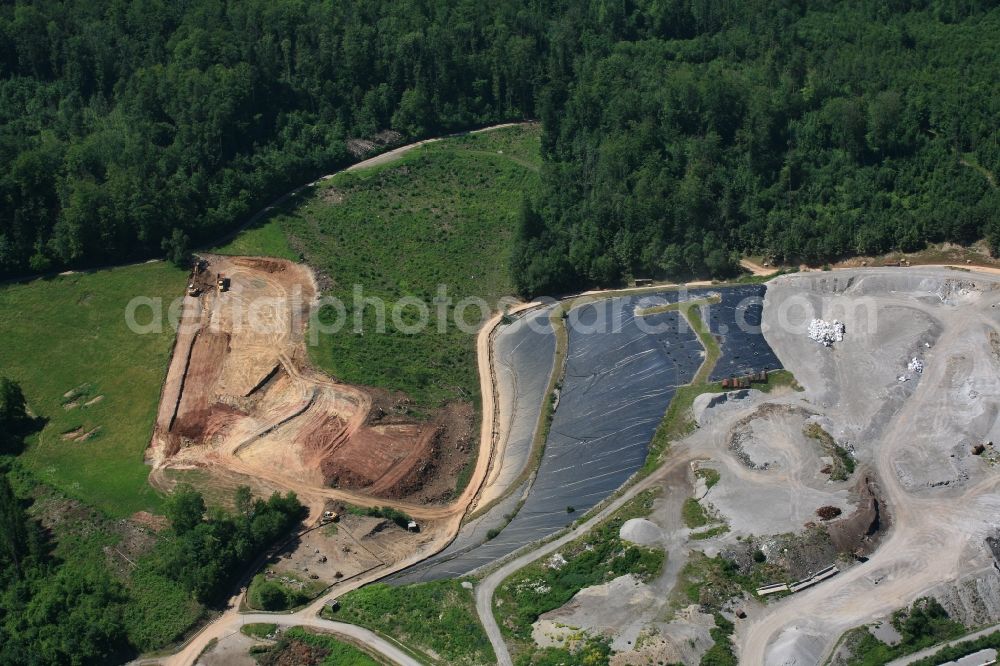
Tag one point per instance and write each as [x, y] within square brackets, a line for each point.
[438, 619]
[443, 214]
[66, 342]
[258, 629]
[300, 644]
[693, 513]
[266, 240]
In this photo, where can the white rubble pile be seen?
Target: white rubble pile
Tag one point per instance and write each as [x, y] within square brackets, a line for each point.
[916, 365]
[641, 531]
[556, 562]
[826, 332]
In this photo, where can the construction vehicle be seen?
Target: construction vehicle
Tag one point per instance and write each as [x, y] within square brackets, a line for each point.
[197, 284]
[221, 282]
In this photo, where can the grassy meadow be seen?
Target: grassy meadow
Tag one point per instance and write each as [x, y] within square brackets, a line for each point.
[437, 618]
[82, 370]
[443, 214]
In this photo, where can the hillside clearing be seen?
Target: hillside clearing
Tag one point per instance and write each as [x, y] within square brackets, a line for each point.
[95, 382]
[442, 214]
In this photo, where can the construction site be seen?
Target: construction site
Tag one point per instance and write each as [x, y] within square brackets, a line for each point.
[874, 471]
[241, 396]
[873, 486]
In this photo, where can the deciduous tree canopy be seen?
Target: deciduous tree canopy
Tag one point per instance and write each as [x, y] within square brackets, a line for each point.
[127, 128]
[676, 132]
[683, 131]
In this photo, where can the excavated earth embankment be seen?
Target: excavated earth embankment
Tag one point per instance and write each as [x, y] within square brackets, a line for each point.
[241, 395]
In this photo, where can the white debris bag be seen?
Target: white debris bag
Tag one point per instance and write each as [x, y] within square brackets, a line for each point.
[826, 332]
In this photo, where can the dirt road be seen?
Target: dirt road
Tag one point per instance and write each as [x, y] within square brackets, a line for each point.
[369, 639]
[487, 587]
[933, 528]
[396, 153]
[384, 158]
[231, 620]
[353, 633]
[909, 659]
[757, 269]
[450, 515]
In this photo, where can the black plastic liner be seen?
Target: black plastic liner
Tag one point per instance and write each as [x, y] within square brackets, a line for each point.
[736, 324]
[621, 373]
[523, 354]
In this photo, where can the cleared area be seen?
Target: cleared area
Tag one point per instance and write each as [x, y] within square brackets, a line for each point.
[924, 436]
[240, 394]
[94, 381]
[873, 486]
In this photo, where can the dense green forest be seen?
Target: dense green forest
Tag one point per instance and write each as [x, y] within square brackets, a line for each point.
[127, 125]
[765, 127]
[61, 599]
[676, 132]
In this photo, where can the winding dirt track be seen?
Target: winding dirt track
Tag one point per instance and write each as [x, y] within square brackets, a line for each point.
[351, 632]
[923, 549]
[925, 546]
[756, 640]
[757, 269]
[450, 516]
[487, 587]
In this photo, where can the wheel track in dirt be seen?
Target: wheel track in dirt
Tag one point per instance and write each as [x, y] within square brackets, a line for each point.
[451, 515]
[923, 555]
[921, 551]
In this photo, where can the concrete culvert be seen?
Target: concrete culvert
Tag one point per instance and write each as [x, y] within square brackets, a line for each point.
[641, 531]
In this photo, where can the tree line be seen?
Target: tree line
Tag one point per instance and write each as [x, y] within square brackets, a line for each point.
[61, 603]
[805, 132]
[676, 134]
[128, 129]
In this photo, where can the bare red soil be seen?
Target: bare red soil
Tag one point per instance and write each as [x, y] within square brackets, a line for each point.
[240, 394]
